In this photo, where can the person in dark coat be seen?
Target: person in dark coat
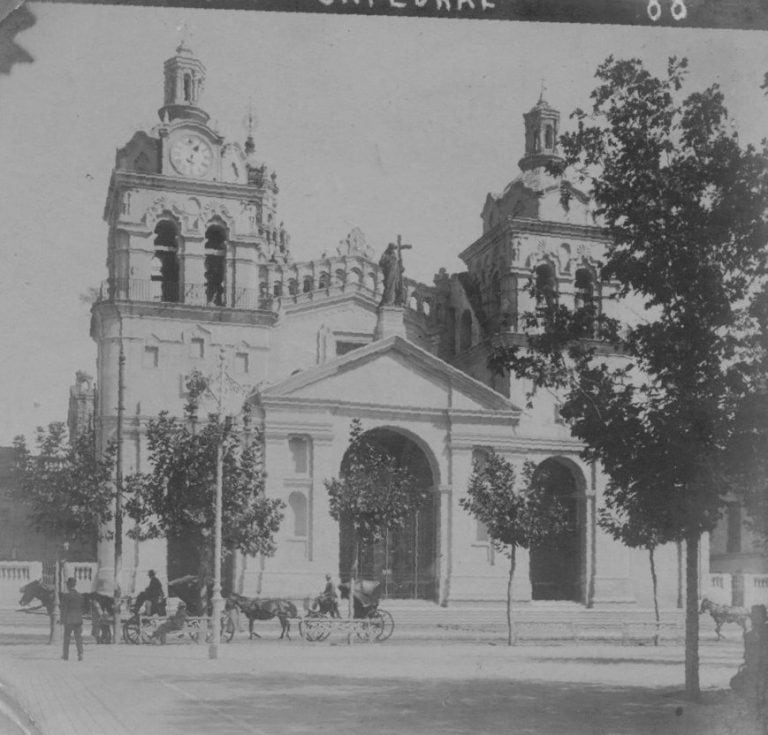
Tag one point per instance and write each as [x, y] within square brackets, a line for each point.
[72, 617]
[155, 594]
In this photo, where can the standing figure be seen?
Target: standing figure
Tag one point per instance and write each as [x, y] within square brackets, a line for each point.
[328, 601]
[392, 267]
[72, 617]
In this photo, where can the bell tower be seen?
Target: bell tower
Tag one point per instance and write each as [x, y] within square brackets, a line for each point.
[184, 78]
[542, 124]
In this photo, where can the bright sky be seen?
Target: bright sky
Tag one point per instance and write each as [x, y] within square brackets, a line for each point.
[393, 125]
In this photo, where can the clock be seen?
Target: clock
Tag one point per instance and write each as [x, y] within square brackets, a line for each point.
[191, 155]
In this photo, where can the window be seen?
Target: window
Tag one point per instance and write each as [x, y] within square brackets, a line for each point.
[241, 362]
[549, 138]
[293, 287]
[545, 286]
[299, 447]
[165, 263]
[197, 348]
[215, 250]
[481, 533]
[298, 504]
[309, 284]
[277, 289]
[325, 281]
[151, 357]
[187, 88]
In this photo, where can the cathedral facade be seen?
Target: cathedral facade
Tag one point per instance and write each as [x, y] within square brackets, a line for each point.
[201, 277]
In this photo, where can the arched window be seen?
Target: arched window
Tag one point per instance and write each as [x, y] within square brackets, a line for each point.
[187, 88]
[309, 284]
[341, 277]
[215, 250]
[299, 448]
[325, 281]
[293, 287]
[546, 286]
[277, 289]
[549, 137]
[584, 286]
[298, 504]
[465, 332]
[165, 266]
[479, 459]
[357, 276]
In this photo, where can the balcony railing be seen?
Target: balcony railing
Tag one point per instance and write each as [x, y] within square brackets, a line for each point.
[192, 294]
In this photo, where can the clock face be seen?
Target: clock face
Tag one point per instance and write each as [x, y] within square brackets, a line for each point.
[191, 156]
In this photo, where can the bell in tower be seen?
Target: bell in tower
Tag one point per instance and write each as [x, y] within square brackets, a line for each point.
[184, 78]
[541, 130]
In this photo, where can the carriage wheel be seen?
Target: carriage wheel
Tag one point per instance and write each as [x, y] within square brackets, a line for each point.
[131, 633]
[366, 629]
[146, 631]
[387, 625]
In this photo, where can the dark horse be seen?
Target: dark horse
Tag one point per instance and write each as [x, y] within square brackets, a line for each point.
[99, 605]
[255, 609]
[723, 614]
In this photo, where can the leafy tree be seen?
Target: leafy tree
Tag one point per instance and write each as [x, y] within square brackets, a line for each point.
[635, 527]
[67, 485]
[684, 205]
[514, 519]
[176, 499]
[375, 494]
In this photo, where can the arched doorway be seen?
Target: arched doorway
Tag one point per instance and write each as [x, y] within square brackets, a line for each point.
[405, 561]
[557, 565]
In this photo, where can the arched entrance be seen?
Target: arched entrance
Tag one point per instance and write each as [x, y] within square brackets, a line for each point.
[557, 565]
[404, 561]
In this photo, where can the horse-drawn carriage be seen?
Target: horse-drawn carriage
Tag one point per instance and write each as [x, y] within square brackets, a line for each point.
[369, 621]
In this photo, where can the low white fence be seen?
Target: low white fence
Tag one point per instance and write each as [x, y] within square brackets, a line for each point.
[13, 576]
[755, 590]
[718, 588]
[83, 572]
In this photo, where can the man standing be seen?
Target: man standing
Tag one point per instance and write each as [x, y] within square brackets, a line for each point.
[72, 617]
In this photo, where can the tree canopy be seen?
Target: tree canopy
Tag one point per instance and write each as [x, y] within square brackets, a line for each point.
[375, 492]
[66, 486]
[177, 497]
[655, 396]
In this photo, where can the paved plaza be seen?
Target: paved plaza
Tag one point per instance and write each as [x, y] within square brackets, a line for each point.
[446, 683]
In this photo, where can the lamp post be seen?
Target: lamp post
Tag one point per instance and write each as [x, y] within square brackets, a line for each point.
[216, 600]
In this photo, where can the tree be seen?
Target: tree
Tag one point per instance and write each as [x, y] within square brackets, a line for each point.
[176, 499]
[513, 519]
[684, 205]
[635, 527]
[375, 494]
[67, 486]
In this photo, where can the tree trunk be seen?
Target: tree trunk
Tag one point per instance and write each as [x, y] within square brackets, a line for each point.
[655, 582]
[692, 617]
[509, 594]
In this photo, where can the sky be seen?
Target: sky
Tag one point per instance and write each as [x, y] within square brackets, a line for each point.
[393, 125]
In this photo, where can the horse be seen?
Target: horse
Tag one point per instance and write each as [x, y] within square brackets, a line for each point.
[44, 592]
[723, 614]
[255, 609]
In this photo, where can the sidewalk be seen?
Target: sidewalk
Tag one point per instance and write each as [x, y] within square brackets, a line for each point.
[271, 687]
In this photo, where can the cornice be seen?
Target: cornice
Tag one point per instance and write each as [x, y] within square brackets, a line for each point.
[512, 226]
[184, 312]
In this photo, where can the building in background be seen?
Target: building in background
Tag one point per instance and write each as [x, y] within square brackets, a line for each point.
[200, 271]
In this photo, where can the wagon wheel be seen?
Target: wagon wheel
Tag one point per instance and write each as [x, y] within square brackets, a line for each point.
[146, 630]
[131, 633]
[387, 625]
[314, 628]
[366, 629]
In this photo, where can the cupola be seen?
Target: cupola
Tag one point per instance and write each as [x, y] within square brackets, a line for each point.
[184, 78]
[542, 124]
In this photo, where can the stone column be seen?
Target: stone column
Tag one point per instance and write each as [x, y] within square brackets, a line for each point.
[446, 552]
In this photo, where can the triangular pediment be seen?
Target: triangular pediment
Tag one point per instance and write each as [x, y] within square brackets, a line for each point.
[391, 372]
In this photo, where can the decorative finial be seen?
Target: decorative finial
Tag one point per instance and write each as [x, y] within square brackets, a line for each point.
[543, 89]
[249, 123]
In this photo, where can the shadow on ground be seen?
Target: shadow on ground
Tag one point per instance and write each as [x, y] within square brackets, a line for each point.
[302, 704]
